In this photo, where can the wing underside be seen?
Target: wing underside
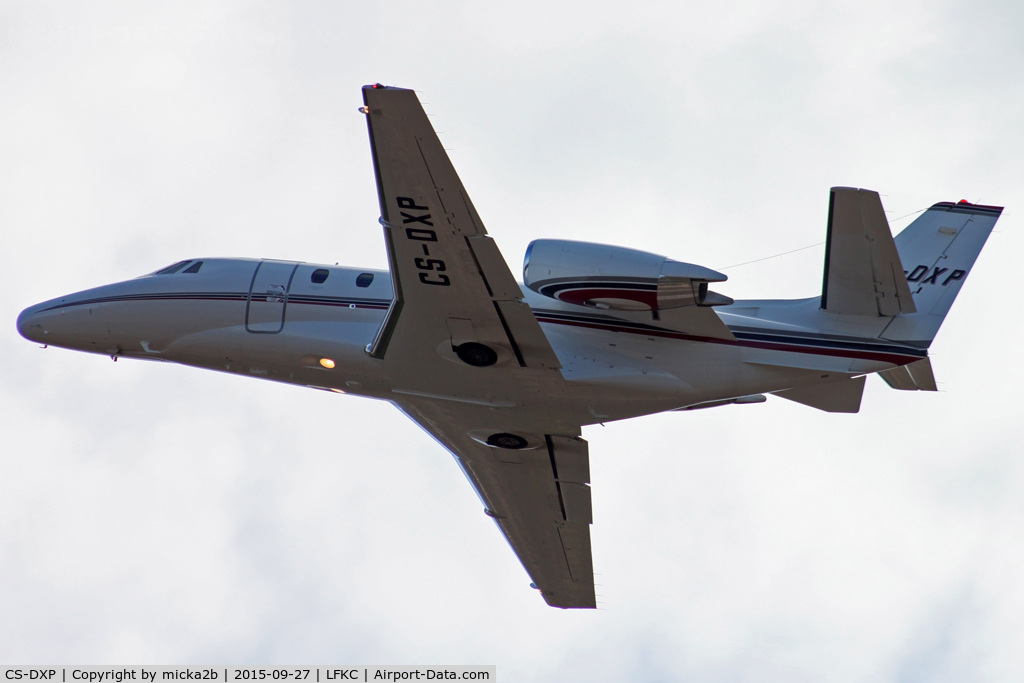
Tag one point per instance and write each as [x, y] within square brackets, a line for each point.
[539, 498]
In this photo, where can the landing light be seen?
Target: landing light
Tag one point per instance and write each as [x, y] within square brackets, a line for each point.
[327, 363]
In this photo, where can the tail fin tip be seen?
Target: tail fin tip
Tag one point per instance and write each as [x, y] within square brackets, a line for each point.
[938, 251]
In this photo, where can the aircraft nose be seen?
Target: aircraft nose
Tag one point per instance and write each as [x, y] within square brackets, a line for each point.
[29, 325]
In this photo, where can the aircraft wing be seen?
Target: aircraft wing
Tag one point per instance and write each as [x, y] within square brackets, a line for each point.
[467, 360]
[451, 282]
[539, 498]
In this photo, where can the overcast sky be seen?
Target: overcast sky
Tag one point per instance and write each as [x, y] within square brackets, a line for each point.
[160, 514]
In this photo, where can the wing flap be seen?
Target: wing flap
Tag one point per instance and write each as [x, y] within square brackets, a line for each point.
[496, 273]
[572, 460]
[533, 347]
[576, 502]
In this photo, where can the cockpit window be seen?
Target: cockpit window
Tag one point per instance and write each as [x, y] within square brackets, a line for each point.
[174, 268]
[319, 275]
[194, 268]
[364, 279]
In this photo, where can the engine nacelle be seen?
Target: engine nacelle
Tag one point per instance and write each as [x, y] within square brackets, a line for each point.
[616, 278]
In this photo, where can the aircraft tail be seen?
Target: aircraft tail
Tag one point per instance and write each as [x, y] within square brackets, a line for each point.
[938, 251]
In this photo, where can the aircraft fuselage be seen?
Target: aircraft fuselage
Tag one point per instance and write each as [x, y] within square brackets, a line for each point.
[310, 324]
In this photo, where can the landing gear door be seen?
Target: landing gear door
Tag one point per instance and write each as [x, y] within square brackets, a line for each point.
[268, 296]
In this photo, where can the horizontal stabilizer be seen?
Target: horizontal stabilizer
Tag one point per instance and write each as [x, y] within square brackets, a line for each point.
[863, 272]
[834, 397]
[916, 376]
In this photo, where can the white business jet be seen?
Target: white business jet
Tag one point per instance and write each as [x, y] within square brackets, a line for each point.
[504, 375]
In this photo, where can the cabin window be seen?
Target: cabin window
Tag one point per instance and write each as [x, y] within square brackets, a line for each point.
[319, 275]
[194, 268]
[174, 268]
[364, 279]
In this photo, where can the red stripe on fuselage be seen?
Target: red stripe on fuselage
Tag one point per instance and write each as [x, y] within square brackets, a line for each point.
[896, 359]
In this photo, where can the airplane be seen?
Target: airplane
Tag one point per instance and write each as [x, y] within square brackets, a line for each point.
[504, 374]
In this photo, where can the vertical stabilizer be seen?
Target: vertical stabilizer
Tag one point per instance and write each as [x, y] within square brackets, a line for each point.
[938, 251]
